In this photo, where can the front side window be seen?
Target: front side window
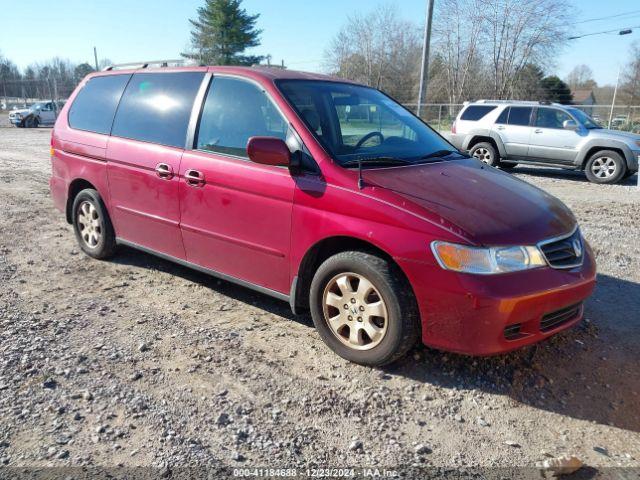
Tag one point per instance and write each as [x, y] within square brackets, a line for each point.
[354, 123]
[520, 116]
[584, 119]
[156, 107]
[551, 118]
[95, 105]
[234, 111]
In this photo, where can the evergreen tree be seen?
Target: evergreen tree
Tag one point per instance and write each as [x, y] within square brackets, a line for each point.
[222, 32]
[555, 90]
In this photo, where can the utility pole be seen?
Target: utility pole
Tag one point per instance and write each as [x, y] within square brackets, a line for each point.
[95, 57]
[613, 102]
[424, 72]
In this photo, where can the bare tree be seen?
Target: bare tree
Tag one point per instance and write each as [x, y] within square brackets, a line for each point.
[581, 76]
[517, 33]
[378, 49]
[457, 33]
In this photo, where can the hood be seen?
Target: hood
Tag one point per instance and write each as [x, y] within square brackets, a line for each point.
[23, 111]
[492, 207]
[616, 134]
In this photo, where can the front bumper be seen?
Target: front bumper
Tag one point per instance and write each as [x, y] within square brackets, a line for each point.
[468, 314]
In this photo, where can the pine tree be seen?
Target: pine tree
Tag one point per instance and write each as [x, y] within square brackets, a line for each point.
[222, 32]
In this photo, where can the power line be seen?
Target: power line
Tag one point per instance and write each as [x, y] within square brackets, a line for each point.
[620, 31]
[606, 17]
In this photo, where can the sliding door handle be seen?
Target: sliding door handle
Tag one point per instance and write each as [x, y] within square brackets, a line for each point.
[164, 171]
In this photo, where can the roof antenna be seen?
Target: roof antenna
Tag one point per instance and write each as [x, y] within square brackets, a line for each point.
[360, 179]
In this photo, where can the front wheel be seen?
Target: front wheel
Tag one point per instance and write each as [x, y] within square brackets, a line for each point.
[363, 308]
[605, 166]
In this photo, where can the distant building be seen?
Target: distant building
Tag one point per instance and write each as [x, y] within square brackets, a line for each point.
[584, 97]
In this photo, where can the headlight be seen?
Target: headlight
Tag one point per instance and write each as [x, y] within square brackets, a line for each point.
[486, 261]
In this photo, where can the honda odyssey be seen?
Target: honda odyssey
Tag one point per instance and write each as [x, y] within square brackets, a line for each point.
[324, 193]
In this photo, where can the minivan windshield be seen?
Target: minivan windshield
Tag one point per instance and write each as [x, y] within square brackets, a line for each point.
[360, 124]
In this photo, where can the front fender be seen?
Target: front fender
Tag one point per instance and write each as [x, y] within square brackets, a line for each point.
[603, 144]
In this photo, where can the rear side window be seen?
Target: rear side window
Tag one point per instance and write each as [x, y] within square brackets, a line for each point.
[520, 115]
[234, 111]
[476, 112]
[156, 107]
[502, 118]
[95, 105]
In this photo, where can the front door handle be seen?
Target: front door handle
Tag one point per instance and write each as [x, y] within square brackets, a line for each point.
[537, 130]
[164, 171]
[500, 127]
[194, 178]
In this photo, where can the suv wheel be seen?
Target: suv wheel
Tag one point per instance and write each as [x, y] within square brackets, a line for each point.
[605, 166]
[363, 308]
[485, 152]
[92, 225]
[31, 122]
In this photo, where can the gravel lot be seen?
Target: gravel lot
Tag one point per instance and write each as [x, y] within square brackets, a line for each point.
[139, 362]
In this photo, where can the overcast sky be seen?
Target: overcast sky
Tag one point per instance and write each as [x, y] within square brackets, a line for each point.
[296, 31]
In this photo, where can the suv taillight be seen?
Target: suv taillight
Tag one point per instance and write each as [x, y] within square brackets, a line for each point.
[453, 127]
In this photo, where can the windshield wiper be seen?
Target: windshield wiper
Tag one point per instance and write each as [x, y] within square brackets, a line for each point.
[375, 161]
[438, 154]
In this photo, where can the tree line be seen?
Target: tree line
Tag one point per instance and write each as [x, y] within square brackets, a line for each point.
[500, 49]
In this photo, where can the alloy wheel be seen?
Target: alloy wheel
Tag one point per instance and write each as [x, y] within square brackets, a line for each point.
[355, 311]
[89, 224]
[482, 154]
[604, 167]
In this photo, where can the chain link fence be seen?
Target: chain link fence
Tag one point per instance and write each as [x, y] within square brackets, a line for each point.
[22, 93]
[622, 117]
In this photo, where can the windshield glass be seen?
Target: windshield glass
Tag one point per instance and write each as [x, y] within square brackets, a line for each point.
[359, 123]
[584, 119]
[36, 106]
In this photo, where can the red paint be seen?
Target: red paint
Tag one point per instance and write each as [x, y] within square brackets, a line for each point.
[256, 221]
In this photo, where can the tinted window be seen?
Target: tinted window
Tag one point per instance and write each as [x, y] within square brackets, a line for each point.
[503, 116]
[156, 107]
[95, 105]
[476, 112]
[234, 111]
[519, 115]
[551, 118]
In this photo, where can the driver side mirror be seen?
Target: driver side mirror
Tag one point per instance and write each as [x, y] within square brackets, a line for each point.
[268, 151]
[569, 125]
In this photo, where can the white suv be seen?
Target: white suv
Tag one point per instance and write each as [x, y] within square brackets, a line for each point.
[505, 133]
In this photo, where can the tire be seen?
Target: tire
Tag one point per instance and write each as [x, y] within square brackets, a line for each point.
[486, 153]
[31, 122]
[92, 225]
[605, 167]
[395, 330]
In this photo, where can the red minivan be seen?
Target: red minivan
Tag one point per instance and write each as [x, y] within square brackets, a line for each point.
[324, 193]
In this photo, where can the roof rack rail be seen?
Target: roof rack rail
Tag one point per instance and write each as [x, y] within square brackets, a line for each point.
[160, 63]
[518, 102]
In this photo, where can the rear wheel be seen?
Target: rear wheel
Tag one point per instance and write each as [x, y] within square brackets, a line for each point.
[486, 153]
[605, 166]
[92, 225]
[363, 308]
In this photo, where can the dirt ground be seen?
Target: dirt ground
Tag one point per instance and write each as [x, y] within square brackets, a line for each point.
[139, 362]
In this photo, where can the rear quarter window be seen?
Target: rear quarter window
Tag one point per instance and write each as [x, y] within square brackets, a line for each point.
[95, 105]
[476, 112]
[156, 107]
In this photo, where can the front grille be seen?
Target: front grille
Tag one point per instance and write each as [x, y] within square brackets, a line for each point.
[566, 252]
[512, 332]
[559, 317]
